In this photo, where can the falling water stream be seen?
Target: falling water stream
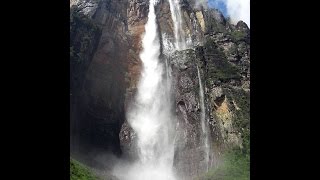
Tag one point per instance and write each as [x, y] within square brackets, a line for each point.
[180, 42]
[150, 116]
[203, 121]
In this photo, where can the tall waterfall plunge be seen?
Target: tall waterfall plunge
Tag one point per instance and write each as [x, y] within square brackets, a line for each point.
[150, 115]
[203, 122]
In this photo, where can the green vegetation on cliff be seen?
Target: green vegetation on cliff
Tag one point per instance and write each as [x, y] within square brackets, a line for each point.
[235, 166]
[238, 36]
[241, 121]
[219, 69]
[79, 171]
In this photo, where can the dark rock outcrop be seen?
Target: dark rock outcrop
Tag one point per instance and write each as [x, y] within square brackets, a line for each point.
[99, 111]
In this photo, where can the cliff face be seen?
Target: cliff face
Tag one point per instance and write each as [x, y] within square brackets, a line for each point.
[112, 69]
[226, 105]
[99, 108]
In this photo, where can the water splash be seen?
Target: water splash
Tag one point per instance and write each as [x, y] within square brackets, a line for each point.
[168, 44]
[150, 115]
[203, 121]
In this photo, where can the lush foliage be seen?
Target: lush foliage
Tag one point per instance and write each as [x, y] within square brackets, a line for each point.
[238, 36]
[242, 99]
[241, 119]
[235, 166]
[219, 68]
[80, 172]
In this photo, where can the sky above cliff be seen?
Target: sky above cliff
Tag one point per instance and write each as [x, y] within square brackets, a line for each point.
[235, 9]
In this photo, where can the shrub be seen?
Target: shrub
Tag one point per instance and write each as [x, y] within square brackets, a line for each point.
[235, 166]
[238, 35]
[218, 66]
[80, 172]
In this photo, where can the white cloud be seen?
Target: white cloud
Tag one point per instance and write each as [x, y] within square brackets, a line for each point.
[237, 10]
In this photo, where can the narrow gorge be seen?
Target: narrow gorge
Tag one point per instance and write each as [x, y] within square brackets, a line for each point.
[159, 89]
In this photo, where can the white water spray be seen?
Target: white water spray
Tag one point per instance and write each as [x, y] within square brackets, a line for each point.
[150, 116]
[203, 121]
[180, 42]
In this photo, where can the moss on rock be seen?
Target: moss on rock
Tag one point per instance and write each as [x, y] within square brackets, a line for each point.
[79, 171]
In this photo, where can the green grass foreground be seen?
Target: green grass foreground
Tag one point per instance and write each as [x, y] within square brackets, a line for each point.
[236, 166]
[79, 171]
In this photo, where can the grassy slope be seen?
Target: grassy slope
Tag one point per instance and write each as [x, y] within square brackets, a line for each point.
[79, 172]
[236, 166]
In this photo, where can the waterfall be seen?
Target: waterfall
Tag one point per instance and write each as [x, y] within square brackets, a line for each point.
[150, 115]
[203, 121]
[180, 42]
